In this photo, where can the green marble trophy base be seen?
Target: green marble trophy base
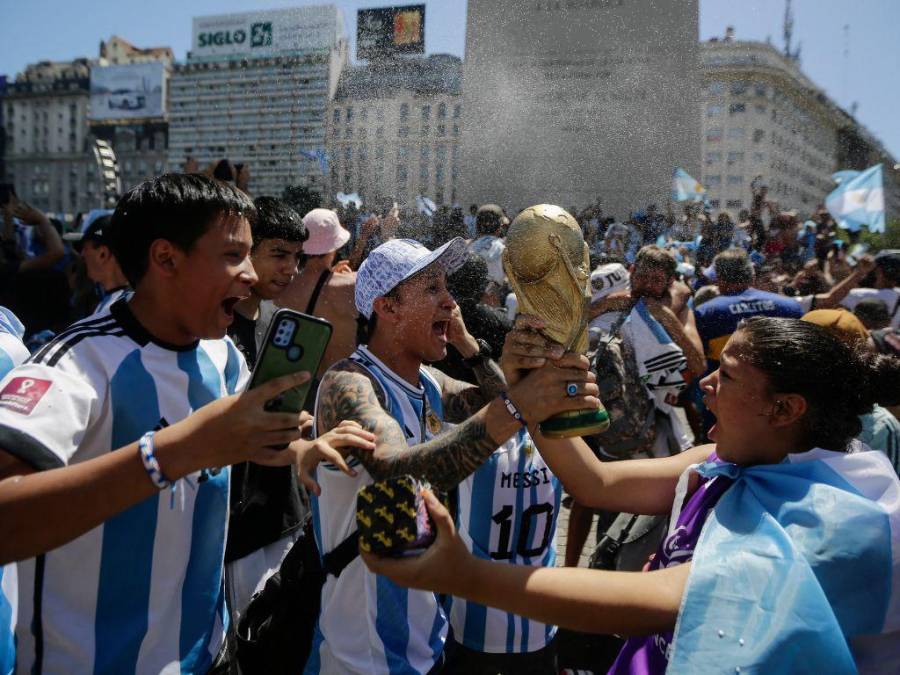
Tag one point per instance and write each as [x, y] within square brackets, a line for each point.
[575, 423]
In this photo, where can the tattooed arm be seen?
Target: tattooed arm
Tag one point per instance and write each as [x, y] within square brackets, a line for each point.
[461, 399]
[347, 393]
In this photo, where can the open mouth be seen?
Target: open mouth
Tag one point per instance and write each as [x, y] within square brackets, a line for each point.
[439, 328]
[228, 306]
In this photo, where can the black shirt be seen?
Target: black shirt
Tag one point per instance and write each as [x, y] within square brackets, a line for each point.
[265, 502]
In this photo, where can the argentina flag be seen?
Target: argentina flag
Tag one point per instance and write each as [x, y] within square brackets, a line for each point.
[797, 570]
[685, 188]
[319, 155]
[858, 199]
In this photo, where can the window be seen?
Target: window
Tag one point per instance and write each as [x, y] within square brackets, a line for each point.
[363, 154]
[456, 130]
[735, 157]
[404, 112]
[425, 153]
[712, 181]
[426, 113]
[348, 154]
[758, 135]
[336, 116]
[716, 88]
[403, 132]
[442, 111]
[379, 152]
[739, 87]
[713, 109]
[714, 203]
[362, 133]
[441, 130]
[426, 129]
[379, 132]
[735, 180]
[401, 175]
[379, 114]
[760, 89]
[402, 153]
[714, 134]
[734, 204]
[736, 133]
[713, 158]
[737, 108]
[348, 132]
[457, 109]
[349, 114]
[439, 174]
[423, 173]
[364, 115]
[440, 153]
[760, 109]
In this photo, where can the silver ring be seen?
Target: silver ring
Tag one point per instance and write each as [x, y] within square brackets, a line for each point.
[571, 389]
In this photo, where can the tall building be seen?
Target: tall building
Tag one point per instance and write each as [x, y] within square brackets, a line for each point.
[255, 89]
[47, 157]
[568, 102]
[129, 108]
[764, 120]
[394, 128]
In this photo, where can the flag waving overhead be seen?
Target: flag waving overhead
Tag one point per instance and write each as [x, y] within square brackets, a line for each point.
[858, 199]
[319, 155]
[685, 188]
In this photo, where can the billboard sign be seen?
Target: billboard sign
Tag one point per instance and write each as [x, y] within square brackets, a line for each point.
[389, 31]
[131, 91]
[266, 33]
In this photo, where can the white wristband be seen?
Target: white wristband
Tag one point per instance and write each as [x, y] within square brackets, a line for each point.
[151, 464]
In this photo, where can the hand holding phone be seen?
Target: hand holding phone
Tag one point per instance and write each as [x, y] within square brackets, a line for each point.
[294, 342]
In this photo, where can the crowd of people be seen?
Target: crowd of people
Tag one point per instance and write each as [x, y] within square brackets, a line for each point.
[152, 507]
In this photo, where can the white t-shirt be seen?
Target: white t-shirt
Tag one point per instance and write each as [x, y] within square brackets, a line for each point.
[890, 296]
[491, 249]
[143, 591]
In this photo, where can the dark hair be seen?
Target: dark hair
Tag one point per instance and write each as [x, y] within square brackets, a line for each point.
[223, 171]
[468, 282]
[838, 383]
[276, 220]
[873, 313]
[654, 257]
[177, 207]
[733, 267]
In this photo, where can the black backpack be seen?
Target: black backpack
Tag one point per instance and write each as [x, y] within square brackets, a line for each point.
[275, 633]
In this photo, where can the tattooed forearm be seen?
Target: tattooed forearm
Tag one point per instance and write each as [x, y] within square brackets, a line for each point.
[443, 461]
[461, 400]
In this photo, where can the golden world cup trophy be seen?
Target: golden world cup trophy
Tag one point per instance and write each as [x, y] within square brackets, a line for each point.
[548, 266]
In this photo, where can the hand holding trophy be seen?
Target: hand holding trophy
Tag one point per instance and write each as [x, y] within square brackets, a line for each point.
[548, 266]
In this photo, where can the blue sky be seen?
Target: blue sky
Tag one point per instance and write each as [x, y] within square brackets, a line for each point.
[869, 75]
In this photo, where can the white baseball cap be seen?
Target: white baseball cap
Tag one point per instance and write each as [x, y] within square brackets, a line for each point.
[397, 260]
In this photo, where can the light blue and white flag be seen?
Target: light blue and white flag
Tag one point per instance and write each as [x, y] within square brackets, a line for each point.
[685, 188]
[425, 206]
[348, 199]
[320, 155]
[797, 569]
[858, 199]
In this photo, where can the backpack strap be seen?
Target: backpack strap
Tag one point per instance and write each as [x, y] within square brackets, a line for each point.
[341, 555]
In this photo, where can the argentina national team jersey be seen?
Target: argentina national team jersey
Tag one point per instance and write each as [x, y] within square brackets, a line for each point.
[142, 592]
[508, 510]
[12, 354]
[367, 623]
[111, 298]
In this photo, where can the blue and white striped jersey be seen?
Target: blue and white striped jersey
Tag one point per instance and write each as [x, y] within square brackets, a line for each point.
[12, 354]
[111, 298]
[142, 592]
[508, 511]
[368, 624]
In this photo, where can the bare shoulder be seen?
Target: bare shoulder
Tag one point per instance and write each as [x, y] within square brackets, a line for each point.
[348, 392]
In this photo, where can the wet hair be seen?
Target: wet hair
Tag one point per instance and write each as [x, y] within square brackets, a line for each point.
[276, 220]
[654, 257]
[838, 382]
[733, 267]
[177, 207]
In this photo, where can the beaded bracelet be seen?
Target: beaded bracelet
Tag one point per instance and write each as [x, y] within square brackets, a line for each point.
[512, 409]
[151, 464]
